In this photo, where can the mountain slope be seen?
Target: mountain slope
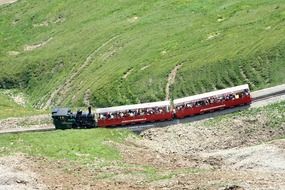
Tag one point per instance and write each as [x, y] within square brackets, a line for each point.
[118, 52]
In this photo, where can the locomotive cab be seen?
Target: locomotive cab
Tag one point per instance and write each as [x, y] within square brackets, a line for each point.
[63, 118]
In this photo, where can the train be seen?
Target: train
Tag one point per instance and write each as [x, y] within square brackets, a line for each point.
[64, 118]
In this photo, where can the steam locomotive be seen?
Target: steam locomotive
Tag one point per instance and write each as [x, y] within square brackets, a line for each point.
[64, 118]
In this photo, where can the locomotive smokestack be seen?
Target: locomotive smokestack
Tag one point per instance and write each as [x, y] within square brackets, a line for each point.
[89, 110]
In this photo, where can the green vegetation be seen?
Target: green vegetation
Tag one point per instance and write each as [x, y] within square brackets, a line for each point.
[221, 43]
[91, 147]
[77, 145]
[274, 114]
[8, 108]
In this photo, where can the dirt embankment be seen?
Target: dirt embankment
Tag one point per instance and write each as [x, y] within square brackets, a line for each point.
[198, 137]
[25, 172]
[16, 174]
[240, 152]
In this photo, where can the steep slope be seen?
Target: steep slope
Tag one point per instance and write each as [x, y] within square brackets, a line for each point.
[14, 106]
[119, 52]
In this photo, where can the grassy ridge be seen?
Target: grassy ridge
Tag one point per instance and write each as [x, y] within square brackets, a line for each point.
[8, 108]
[275, 115]
[220, 43]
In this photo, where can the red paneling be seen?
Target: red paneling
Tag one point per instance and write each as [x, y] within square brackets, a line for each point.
[212, 107]
[169, 115]
[135, 119]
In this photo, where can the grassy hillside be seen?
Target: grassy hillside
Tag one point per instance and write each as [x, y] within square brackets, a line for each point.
[8, 108]
[84, 145]
[119, 52]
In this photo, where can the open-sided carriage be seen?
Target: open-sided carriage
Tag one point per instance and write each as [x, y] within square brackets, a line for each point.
[211, 101]
[132, 114]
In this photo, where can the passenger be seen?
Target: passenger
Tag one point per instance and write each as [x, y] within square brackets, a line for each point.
[227, 97]
[206, 102]
[209, 100]
[236, 96]
[101, 116]
[246, 92]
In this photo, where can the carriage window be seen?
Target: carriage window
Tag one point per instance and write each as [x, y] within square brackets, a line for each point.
[133, 113]
[213, 99]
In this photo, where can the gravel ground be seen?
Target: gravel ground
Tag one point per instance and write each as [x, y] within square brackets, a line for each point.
[196, 137]
[37, 121]
[269, 157]
[16, 174]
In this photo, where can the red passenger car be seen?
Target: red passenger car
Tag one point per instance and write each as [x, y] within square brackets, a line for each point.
[212, 101]
[132, 114]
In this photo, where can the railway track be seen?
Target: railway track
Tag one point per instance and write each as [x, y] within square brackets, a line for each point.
[258, 96]
[277, 94]
[26, 130]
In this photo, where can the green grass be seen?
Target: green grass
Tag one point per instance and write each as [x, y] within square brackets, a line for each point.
[247, 45]
[275, 113]
[83, 146]
[8, 108]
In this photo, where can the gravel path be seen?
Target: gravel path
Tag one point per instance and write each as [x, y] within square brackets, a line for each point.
[3, 2]
[26, 123]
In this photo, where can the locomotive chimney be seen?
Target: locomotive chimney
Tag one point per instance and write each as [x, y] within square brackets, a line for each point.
[89, 110]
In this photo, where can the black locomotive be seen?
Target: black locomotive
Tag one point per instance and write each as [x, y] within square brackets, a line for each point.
[64, 118]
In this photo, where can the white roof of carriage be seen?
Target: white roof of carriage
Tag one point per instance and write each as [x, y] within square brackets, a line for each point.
[133, 107]
[209, 94]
